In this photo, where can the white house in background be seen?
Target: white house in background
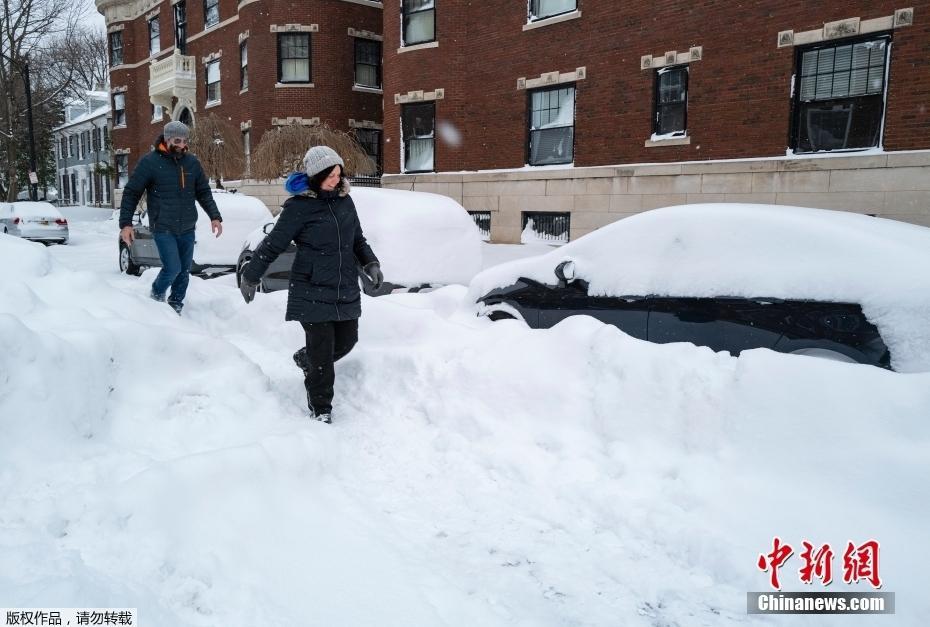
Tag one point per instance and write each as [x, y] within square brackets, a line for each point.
[82, 147]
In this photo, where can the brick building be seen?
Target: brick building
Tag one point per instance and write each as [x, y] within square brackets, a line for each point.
[525, 107]
[258, 63]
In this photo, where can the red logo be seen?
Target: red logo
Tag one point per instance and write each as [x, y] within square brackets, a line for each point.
[859, 563]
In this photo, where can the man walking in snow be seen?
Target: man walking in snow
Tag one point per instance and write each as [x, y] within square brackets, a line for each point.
[172, 180]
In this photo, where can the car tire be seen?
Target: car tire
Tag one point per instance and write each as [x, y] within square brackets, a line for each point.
[126, 264]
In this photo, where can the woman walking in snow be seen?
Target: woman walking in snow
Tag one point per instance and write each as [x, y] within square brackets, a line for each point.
[324, 295]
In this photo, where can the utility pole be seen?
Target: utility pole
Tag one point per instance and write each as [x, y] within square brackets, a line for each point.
[33, 174]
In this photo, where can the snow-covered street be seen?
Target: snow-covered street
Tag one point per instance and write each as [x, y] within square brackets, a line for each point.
[476, 473]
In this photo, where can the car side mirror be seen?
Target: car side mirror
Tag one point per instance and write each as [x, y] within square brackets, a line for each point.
[565, 272]
[267, 228]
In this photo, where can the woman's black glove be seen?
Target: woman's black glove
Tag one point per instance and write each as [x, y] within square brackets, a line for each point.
[247, 288]
[373, 270]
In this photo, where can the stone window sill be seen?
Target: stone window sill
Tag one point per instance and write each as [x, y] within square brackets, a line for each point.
[213, 103]
[367, 90]
[668, 141]
[299, 85]
[429, 44]
[555, 19]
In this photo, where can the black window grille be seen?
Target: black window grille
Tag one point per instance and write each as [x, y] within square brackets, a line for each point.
[365, 181]
[418, 122]
[546, 225]
[551, 126]
[370, 140]
[368, 63]
[671, 103]
[294, 58]
[540, 9]
[840, 95]
[483, 222]
[212, 77]
[116, 48]
[211, 13]
[419, 20]
[154, 36]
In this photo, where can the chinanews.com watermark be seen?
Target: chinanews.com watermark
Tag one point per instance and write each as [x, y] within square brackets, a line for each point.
[860, 563]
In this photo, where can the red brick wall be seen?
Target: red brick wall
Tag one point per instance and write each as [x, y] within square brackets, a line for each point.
[739, 102]
[332, 67]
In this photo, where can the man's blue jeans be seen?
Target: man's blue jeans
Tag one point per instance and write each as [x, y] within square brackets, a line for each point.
[177, 255]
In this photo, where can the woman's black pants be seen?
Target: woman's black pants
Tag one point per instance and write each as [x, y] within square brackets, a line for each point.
[327, 343]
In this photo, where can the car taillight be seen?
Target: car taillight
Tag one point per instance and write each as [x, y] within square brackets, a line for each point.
[61, 221]
[15, 220]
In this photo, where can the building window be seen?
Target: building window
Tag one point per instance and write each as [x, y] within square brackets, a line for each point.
[213, 81]
[294, 58]
[671, 101]
[154, 41]
[244, 65]
[116, 48]
[180, 26]
[83, 146]
[72, 145]
[541, 9]
[840, 99]
[247, 150]
[419, 19]
[211, 13]
[418, 123]
[63, 148]
[94, 140]
[158, 112]
[370, 140]
[368, 63]
[122, 170]
[119, 109]
[552, 126]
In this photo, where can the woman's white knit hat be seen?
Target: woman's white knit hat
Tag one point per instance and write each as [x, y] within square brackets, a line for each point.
[319, 158]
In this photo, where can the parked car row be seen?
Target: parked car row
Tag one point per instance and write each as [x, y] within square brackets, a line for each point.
[731, 277]
[36, 221]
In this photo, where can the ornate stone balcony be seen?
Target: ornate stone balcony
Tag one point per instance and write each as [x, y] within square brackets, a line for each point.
[174, 77]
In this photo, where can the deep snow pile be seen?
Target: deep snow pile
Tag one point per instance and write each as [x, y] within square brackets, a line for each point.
[773, 251]
[476, 474]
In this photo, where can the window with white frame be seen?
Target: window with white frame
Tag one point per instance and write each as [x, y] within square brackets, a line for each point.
[116, 48]
[213, 81]
[541, 9]
[418, 122]
[367, 63]
[211, 13]
[419, 21]
[840, 95]
[671, 101]
[294, 58]
[551, 125]
[158, 112]
[119, 109]
[154, 39]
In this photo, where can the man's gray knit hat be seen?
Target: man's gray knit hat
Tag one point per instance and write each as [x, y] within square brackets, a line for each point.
[176, 129]
[319, 158]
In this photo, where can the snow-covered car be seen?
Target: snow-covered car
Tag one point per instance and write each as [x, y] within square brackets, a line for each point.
[212, 255]
[421, 239]
[36, 221]
[736, 277]
[49, 195]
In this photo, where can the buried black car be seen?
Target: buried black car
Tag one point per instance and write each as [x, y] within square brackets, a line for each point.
[730, 277]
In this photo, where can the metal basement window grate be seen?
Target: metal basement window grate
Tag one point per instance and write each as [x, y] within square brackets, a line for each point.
[546, 226]
[365, 181]
[483, 222]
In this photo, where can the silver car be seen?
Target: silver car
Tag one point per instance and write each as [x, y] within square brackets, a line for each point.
[36, 221]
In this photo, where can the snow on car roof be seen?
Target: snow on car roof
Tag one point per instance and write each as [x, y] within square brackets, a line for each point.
[35, 209]
[747, 250]
[239, 206]
[419, 237]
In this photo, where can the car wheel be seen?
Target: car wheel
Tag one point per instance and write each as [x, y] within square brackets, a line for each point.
[126, 264]
[824, 353]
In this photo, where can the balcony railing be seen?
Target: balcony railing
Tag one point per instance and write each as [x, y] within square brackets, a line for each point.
[172, 77]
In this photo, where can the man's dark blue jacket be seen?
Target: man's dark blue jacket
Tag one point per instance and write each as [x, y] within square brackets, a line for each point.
[172, 183]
